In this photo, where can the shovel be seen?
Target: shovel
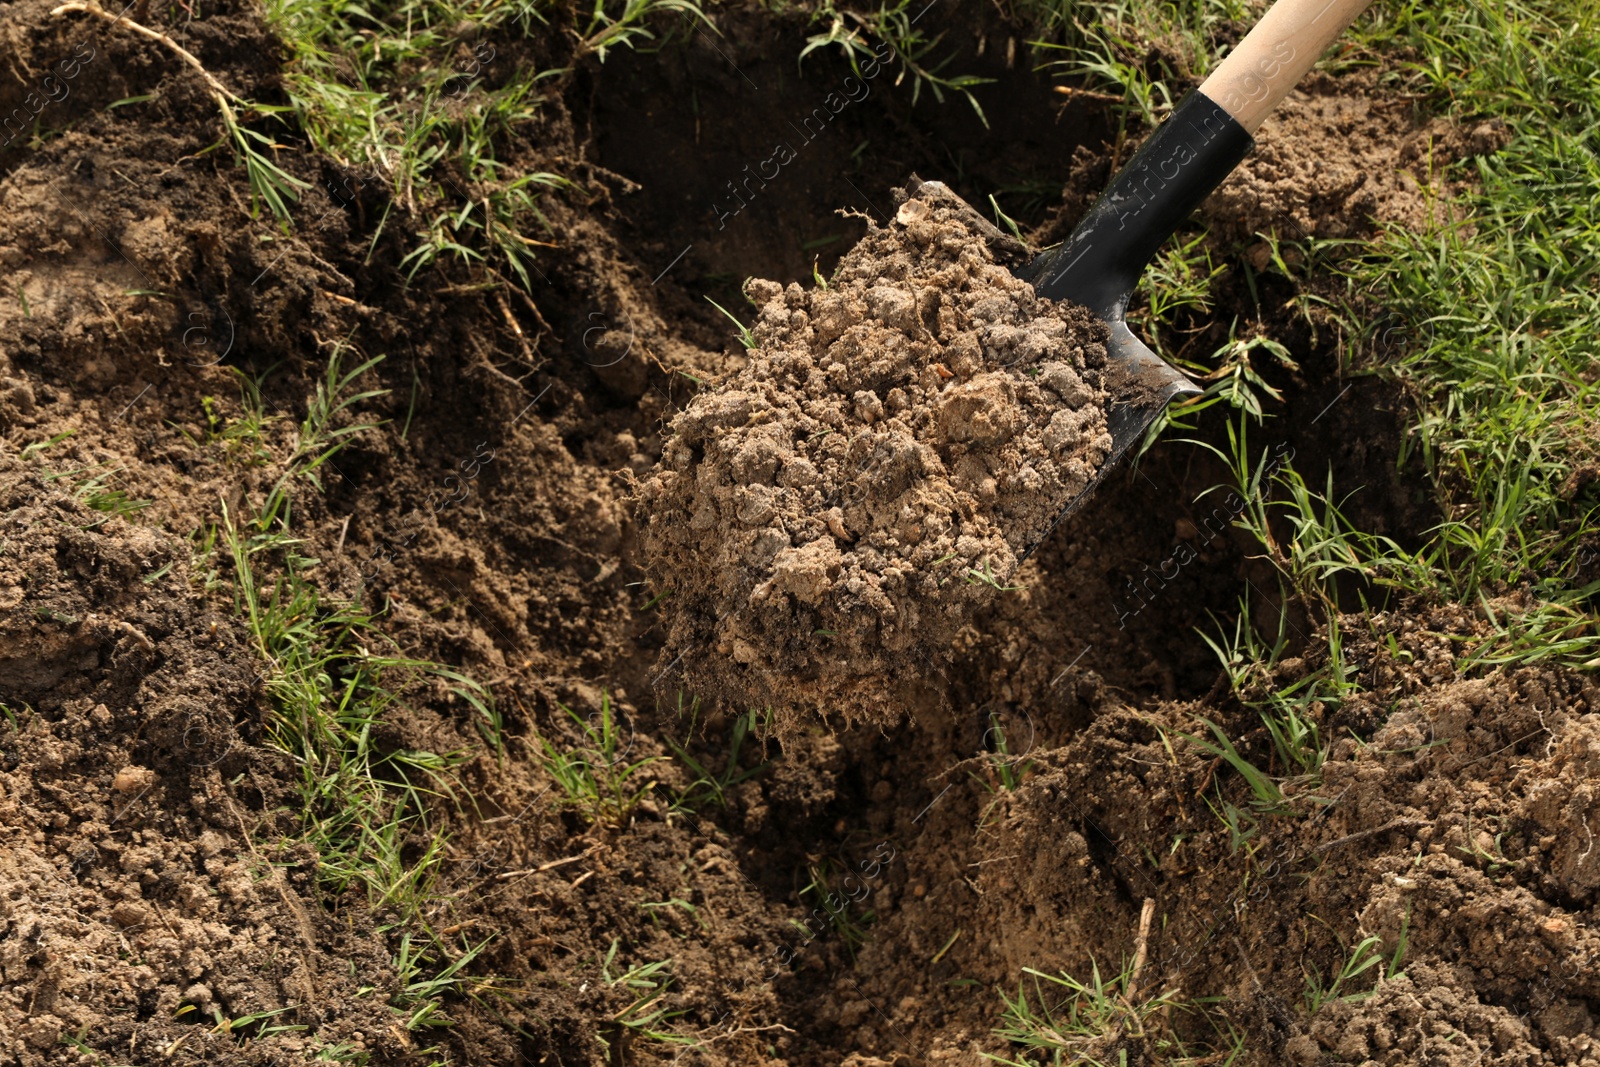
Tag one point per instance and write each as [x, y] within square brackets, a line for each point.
[1177, 167]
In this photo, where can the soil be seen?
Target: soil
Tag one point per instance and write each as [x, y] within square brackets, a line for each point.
[1331, 164]
[826, 519]
[133, 902]
[150, 880]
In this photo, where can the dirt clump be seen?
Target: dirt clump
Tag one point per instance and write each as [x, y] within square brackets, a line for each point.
[1451, 844]
[829, 516]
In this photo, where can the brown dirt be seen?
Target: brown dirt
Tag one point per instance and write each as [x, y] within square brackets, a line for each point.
[145, 811]
[1335, 163]
[1456, 827]
[133, 903]
[826, 519]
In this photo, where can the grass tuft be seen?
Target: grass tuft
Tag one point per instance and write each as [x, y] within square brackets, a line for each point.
[596, 777]
[644, 1017]
[1068, 1020]
[418, 105]
[895, 24]
[1366, 956]
[627, 25]
[826, 890]
[336, 681]
[712, 787]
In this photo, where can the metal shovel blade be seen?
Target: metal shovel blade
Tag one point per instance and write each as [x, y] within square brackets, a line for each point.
[1099, 265]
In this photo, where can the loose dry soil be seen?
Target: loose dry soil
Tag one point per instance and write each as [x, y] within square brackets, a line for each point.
[148, 883]
[829, 517]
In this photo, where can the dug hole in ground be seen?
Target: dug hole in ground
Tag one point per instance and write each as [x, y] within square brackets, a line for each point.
[344, 721]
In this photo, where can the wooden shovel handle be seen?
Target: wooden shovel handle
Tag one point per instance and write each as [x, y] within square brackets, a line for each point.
[1253, 78]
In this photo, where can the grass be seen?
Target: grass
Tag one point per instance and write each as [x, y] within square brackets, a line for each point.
[1291, 711]
[1328, 566]
[1230, 374]
[1366, 956]
[1006, 770]
[1494, 297]
[654, 909]
[984, 574]
[646, 986]
[432, 121]
[92, 487]
[333, 683]
[1068, 1020]
[415, 101]
[596, 777]
[321, 435]
[825, 890]
[253, 1025]
[747, 338]
[712, 787]
[1176, 287]
[424, 984]
[36, 447]
[270, 184]
[1265, 793]
[1501, 299]
[850, 32]
[626, 24]
[335, 680]
[1491, 861]
[86, 1052]
[1106, 44]
[367, 809]
[1243, 825]
[244, 438]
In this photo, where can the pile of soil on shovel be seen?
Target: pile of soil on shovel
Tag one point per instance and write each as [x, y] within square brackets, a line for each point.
[828, 518]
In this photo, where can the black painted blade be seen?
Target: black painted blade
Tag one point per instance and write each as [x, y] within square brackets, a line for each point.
[1099, 265]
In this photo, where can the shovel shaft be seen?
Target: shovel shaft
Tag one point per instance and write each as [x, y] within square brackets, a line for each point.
[1172, 172]
[1253, 78]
